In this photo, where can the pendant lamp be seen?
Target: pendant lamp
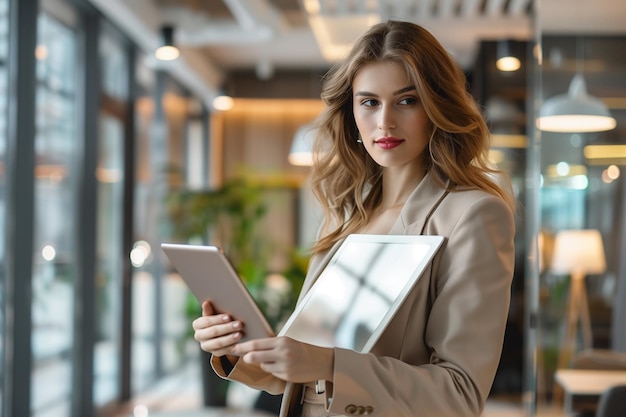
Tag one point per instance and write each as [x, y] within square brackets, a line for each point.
[506, 60]
[167, 51]
[575, 111]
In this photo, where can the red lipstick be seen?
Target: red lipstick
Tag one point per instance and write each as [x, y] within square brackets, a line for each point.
[388, 142]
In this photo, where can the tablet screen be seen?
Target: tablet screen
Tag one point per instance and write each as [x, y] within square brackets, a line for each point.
[360, 289]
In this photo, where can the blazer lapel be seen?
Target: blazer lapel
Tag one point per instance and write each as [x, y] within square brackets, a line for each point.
[420, 205]
[418, 208]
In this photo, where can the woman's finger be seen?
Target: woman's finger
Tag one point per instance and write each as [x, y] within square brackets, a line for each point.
[221, 346]
[207, 308]
[214, 320]
[257, 345]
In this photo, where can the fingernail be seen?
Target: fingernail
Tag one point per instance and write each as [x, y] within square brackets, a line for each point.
[236, 325]
[225, 318]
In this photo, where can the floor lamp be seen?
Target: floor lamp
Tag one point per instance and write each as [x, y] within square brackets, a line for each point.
[578, 253]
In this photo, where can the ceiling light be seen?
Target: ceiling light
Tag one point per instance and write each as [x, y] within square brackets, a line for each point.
[575, 111]
[605, 151]
[505, 59]
[223, 102]
[167, 51]
[334, 31]
[508, 141]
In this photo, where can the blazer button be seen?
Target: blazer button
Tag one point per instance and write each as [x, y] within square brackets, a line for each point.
[369, 410]
[350, 409]
[360, 410]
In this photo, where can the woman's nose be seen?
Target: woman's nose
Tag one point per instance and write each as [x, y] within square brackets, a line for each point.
[386, 120]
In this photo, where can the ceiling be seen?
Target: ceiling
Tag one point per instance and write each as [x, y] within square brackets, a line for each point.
[218, 36]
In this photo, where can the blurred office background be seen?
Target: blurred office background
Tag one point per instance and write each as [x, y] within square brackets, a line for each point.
[106, 151]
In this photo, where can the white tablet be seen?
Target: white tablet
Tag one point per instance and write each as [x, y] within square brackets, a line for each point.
[210, 276]
[360, 290]
[350, 304]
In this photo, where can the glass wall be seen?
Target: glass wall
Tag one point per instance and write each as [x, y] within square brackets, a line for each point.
[54, 263]
[144, 348]
[160, 324]
[4, 52]
[581, 225]
[75, 213]
[110, 175]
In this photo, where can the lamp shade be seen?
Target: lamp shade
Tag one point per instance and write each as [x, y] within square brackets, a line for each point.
[167, 51]
[506, 60]
[301, 152]
[578, 251]
[575, 111]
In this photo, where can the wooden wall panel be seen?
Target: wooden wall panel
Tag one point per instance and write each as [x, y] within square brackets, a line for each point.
[253, 139]
[256, 137]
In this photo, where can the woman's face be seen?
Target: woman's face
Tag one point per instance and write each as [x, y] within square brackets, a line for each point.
[389, 115]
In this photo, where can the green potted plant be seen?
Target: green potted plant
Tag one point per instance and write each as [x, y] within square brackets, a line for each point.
[230, 216]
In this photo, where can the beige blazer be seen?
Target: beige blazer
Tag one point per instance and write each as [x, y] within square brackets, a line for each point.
[439, 354]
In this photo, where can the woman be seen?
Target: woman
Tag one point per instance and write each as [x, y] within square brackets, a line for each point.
[401, 149]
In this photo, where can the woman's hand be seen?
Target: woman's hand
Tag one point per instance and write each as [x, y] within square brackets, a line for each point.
[288, 359]
[217, 333]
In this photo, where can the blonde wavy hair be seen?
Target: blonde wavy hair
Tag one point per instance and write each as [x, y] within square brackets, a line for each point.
[345, 180]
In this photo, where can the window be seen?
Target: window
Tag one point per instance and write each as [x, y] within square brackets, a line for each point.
[54, 263]
[110, 176]
[4, 51]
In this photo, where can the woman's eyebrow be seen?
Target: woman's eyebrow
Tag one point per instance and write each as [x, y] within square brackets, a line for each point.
[395, 93]
[404, 90]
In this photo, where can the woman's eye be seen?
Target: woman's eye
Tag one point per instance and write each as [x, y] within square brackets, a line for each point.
[369, 102]
[407, 101]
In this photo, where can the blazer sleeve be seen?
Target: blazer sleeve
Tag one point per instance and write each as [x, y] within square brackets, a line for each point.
[464, 329]
[250, 375]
